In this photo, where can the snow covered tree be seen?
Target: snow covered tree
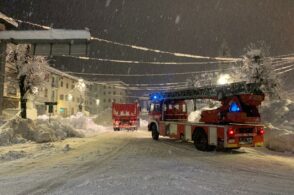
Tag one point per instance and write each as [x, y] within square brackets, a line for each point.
[29, 72]
[257, 68]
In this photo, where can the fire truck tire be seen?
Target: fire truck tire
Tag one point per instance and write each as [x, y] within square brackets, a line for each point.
[201, 141]
[155, 134]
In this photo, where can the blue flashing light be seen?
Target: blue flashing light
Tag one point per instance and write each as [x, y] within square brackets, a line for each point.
[234, 107]
[156, 97]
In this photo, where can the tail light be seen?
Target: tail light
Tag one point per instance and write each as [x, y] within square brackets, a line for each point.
[260, 131]
[231, 132]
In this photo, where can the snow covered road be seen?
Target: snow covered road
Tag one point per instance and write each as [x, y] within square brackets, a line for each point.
[132, 163]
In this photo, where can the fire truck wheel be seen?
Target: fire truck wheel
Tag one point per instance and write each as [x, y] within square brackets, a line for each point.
[155, 134]
[201, 142]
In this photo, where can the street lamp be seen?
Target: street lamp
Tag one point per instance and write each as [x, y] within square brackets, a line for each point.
[224, 79]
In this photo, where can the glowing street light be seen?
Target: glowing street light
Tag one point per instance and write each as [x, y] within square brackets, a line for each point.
[224, 79]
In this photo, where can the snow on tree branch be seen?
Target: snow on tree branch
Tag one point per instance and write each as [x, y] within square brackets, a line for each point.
[31, 69]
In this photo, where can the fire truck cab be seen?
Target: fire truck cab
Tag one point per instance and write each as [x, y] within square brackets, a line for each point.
[235, 124]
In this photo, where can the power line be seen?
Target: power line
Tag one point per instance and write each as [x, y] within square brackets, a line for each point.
[279, 73]
[33, 24]
[285, 67]
[148, 62]
[286, 56]
[145, 48]
[143, 85]
[146, 75]
[176, 54]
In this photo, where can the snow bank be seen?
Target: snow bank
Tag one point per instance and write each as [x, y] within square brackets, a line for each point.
[104, 118]
[12, 155]
[85, 124]
[278, 117]
[80, 122]
[18, 130]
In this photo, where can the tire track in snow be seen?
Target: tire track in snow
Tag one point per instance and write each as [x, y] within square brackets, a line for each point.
[56, 182]
[206, 157]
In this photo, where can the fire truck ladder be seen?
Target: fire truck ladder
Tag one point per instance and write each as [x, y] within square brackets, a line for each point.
[217, 92]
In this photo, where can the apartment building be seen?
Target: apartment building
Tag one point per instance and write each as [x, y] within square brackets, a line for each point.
[10, 98]
[71, 93]
[101, 95]
[63, 89]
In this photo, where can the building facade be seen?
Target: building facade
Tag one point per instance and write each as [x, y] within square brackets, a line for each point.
[100, 95]
[61, 88]
[6, 23]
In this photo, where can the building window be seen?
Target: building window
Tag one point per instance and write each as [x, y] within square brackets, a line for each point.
[46, 92]
[109, 100]
[114, 93]
[66, 85]
[52, 96]
[66, 97]
[104, 100]
[53, 82]
[11, 91]
[109, 92]
[61, 97]
[61, 84]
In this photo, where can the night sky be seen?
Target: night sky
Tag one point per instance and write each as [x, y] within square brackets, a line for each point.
[188, 26]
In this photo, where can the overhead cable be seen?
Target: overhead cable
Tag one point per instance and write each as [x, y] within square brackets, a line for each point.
[147, 62]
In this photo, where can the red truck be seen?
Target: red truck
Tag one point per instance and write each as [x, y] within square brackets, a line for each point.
[125, 116]
[236, 123]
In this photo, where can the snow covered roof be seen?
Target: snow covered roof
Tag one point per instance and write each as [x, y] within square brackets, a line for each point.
[118, 82]
[60, 73]
[8, 20]
[41, 35]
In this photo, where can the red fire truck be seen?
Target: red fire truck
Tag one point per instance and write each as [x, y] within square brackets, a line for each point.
[125, 116]
[235, 124]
